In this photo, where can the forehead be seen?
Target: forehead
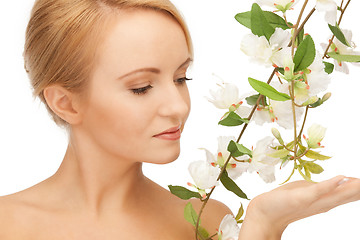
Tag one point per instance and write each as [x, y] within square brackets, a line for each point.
[139, 37]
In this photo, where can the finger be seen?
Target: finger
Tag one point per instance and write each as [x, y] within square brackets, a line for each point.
[325, 187]
[347, 192]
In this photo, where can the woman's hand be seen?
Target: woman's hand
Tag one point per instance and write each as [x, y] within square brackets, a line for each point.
[270, 213]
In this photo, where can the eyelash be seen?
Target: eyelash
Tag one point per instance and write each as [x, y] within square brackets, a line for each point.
[181, 81]
[143, 90]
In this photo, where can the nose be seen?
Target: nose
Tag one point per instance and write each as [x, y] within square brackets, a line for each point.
[175, 102]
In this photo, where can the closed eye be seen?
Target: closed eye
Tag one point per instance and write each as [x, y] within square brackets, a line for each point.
[181, 81]
[141, 90]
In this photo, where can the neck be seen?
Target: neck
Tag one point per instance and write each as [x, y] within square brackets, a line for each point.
[97, 181]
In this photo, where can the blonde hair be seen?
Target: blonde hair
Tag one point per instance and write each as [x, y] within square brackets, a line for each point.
[62, 37]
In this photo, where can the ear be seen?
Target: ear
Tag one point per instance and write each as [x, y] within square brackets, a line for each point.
[63, 103]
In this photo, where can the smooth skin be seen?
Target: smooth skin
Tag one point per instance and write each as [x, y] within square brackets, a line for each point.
[136, 92]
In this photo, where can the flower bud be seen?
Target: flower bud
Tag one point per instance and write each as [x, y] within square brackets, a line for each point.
[326, 97]
[277, 135]
[311, 100]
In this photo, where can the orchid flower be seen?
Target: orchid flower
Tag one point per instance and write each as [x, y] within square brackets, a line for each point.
[316, 134]
[310, 82]
[227, 97]
[278, 112]
[229, 229]
[234, 168]
[261, 162]
[204, 175]
[263, 51]
[330, 9]
[342, 49]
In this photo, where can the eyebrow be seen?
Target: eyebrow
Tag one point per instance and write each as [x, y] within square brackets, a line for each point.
[153, 70]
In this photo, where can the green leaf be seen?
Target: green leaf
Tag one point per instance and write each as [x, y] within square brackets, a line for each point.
[339, 34]
[202, 232]
[300, 37]
[307, 172]
[316, 156]
[240, 213]
[259, 24]
[329, 67]
[244, 19]
[304, 175]
[288, 179]
[238, 150]
[190, 214]
[267, 90]
[305, 54]
[252, 100]
[232, 119]
[183, 193]
[314, 168]
[230, 185]
[317, 103]
[273, 19]
[279, 153]
[344, 58]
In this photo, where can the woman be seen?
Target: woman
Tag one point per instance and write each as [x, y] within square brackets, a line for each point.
[113, 73]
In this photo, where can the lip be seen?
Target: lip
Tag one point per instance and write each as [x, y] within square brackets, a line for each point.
[173, 133]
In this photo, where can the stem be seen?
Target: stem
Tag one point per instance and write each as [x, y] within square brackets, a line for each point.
[305, 21]
[286, 21]
[340, 18]
[210, 238]
[303, 125]
[296, 27]
[292, 95]
[343, 11]
[228, 159]
[297, 31]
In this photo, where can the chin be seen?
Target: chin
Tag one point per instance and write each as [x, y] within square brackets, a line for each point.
[165, 157]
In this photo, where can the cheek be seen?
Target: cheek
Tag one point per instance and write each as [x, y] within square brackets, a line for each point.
[116, 125]
[187, 100]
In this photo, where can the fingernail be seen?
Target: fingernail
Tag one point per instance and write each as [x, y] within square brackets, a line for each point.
[344, 180]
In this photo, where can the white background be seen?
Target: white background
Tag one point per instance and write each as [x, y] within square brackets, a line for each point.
[32, 147]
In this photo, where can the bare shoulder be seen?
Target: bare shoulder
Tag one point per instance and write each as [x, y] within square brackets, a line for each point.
[10, 216]
[17, 213]
[213, 213]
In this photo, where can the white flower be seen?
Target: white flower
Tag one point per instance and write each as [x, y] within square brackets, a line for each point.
[234, 168]
[316, 134]
[227, 97]
[315, 80]
[342, 49]
[318, 80]
[263, 51]
[261, 162]
[280, 5]
[204, 175]
[229, 229]
[277, 111]
[330, 9]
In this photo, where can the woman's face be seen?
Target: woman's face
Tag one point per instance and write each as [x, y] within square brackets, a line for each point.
[137, 101]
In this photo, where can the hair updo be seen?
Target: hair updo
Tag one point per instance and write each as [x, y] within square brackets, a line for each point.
[62, 37]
